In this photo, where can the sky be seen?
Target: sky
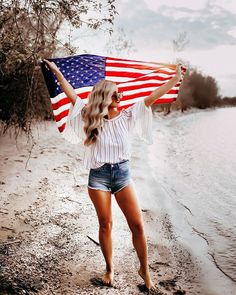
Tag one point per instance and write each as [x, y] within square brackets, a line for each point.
[152, 25]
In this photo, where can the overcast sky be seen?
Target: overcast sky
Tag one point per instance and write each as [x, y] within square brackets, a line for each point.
[210, 28]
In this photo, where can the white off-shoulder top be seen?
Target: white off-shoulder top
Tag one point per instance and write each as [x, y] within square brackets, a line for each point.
[113, 143]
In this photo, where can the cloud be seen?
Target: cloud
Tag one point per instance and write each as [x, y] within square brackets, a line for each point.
[195, 5]
[152, 25]
[207, 25]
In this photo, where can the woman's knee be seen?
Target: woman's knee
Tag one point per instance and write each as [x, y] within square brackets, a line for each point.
[105, 225]
[137, 228]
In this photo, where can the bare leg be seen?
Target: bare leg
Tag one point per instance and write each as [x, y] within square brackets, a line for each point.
[127, 201]
[102, 204]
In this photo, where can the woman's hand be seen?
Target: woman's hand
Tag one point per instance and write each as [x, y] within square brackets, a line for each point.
[64, 84]
[163, 89]
[179, 72]
[50, 65]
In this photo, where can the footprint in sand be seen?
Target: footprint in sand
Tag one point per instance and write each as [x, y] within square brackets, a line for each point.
[170, 285]
[144, 289]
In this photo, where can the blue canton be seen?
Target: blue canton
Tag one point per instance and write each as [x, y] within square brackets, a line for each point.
[79, 70]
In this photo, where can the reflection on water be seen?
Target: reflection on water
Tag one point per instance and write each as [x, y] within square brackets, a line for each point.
[194, 157]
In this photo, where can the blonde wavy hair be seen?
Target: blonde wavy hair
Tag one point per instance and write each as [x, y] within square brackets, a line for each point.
[97, 107]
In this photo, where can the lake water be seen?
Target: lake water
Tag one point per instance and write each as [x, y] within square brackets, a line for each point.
[193, 160]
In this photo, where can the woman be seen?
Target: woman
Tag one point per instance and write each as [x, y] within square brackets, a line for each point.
[105, 132]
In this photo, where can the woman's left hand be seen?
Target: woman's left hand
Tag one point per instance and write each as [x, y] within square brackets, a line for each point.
[179, 72]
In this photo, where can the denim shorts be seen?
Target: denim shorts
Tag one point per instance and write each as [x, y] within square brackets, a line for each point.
[110, 177]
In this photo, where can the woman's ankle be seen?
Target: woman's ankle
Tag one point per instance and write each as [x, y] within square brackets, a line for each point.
[144, 269]
[109, 269]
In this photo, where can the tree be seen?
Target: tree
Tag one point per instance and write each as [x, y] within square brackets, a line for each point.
[119, 42]
[28, 33]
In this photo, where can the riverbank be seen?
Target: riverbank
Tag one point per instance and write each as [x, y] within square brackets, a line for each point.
[49, 228]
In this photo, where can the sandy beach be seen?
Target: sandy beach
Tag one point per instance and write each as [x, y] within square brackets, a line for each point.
[49, 229]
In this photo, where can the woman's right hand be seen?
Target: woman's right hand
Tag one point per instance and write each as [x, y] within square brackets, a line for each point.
[50, 65]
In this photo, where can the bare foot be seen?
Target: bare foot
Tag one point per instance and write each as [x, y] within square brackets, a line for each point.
[147, 279]
[107, 278]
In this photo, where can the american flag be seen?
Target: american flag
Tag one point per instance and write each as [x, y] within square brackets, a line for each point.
[136, 79]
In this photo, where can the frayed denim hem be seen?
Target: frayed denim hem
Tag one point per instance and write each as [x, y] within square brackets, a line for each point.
[98, 189]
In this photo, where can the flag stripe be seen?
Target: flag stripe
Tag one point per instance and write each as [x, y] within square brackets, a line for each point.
[129, 61]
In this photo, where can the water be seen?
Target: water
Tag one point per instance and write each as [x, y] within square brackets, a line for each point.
[193, 159]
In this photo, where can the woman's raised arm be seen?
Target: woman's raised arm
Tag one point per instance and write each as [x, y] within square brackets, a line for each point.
[164, 88]
[64, 84]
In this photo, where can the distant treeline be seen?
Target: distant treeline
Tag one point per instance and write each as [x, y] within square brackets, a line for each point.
[197, 91]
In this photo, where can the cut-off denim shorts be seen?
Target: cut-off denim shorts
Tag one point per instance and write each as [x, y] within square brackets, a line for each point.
[110, 177]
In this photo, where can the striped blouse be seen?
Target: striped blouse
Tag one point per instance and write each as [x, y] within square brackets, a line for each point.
[113, 142]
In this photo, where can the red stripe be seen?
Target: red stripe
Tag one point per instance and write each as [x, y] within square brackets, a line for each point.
[61, 115]
[158, 101]
[84, 95]
[145, 93]
[62, 127]
[123, 74]
[61, 102]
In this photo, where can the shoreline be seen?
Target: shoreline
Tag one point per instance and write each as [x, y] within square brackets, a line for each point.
[48, 223]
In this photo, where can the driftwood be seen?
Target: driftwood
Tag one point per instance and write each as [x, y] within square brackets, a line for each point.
[93, 241]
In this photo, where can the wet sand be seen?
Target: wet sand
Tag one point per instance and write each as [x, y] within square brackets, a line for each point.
[49, 228]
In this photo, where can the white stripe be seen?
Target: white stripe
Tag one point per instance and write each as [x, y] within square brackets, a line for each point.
[136, 91]
[169, 95]
[62, 109]
[83, 89]
[150, 64]
[58, 97]
[61, 122]
[137, 83]
[118, 79]
[129, 70]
